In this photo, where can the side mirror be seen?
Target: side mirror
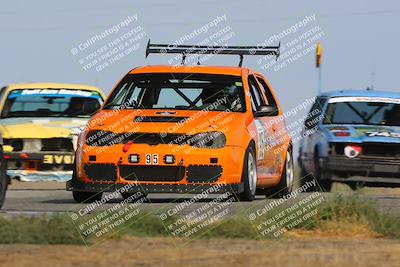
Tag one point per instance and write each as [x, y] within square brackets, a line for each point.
[263, 111]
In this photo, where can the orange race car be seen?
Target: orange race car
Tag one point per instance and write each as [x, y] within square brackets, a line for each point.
[186, 129]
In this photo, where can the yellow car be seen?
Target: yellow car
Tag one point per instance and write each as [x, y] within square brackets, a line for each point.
[39, 123]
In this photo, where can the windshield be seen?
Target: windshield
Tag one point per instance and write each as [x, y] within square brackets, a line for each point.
[179, 91]
[51, 103]
[366, 113]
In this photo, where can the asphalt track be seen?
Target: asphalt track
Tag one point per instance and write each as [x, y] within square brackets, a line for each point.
[25, 198]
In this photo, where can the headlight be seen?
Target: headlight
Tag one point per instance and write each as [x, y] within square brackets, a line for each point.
[209, 140]
[16, 144]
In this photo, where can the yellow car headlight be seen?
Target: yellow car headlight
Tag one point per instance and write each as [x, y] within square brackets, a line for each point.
[16, 144]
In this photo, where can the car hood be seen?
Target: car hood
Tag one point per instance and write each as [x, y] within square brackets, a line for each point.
[159, 121]
[364, 133]
[40, 127]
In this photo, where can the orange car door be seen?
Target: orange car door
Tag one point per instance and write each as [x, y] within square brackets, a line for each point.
[265, 166]
[278, 141]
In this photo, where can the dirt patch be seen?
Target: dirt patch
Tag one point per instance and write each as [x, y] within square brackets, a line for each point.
[360, 234]
[133, 251]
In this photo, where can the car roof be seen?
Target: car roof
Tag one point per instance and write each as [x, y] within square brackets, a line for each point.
[360, 93]
[222, 70]
[11, 87]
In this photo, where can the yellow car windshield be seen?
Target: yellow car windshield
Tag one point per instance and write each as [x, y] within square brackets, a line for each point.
[51, 103]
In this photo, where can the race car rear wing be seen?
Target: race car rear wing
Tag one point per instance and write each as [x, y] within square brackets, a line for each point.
[211, 49]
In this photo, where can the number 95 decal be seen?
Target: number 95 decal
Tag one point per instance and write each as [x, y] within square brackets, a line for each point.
[152, 159]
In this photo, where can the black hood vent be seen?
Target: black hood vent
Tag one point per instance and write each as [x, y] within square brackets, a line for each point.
[159, 119]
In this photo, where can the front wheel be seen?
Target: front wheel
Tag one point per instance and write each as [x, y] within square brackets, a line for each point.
[325, 185]
[285, 185]
[84, 197]
[306, 180]
[322, 176]
[356, 186]
[249, 176]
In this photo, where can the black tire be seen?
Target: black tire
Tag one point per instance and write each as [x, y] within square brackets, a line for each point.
[285, 186]
[356, 186]
[324, 182]
[305, 178]
[3, 180]
[86, 197]
[249, 192]
[325, 185]
[303, 171]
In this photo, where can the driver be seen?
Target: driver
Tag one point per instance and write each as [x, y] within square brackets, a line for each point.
[392, 116]
[214, 97]
[75, 107]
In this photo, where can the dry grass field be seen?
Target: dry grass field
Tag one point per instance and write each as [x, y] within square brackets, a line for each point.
[313, 250]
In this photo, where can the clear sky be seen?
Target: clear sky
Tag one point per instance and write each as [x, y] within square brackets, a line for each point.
[358, 37]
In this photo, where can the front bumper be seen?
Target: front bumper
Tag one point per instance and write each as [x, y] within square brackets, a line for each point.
[190, 172]
[363, 169]
[40, 166]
